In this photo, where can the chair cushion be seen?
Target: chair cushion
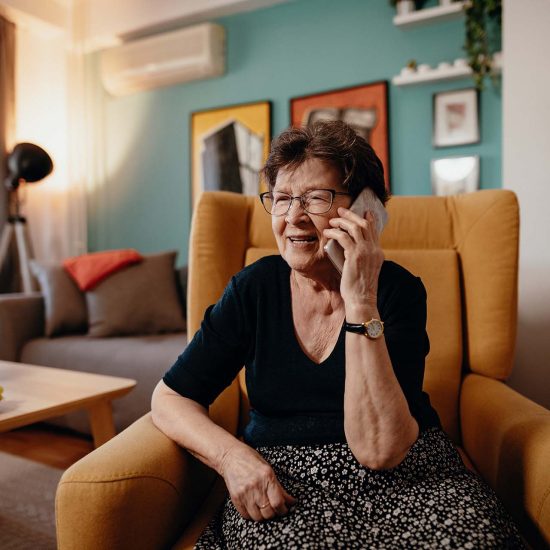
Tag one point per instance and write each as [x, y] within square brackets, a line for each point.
[254, 254]
[483, 228]
[143, 358]
[439, 272]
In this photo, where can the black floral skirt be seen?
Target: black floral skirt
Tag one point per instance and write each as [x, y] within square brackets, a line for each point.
[429, 501]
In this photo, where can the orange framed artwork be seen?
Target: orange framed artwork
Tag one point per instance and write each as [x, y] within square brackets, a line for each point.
[364, 107]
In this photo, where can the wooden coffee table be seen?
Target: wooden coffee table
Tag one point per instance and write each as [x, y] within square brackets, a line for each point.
[33, 393]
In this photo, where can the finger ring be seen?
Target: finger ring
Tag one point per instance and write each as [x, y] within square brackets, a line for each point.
[264, 505]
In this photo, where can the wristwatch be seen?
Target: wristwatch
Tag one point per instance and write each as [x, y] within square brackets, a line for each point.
[372, 329]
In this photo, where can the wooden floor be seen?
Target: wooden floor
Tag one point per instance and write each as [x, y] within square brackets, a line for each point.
[46, 444]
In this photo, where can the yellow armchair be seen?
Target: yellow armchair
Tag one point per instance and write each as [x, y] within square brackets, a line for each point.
[140, 490]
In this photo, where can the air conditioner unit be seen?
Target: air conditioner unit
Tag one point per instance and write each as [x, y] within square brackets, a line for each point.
[170, 58]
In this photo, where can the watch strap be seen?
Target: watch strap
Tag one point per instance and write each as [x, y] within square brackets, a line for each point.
[358, 328]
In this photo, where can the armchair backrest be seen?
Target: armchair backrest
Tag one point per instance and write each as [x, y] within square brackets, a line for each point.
[464, 247]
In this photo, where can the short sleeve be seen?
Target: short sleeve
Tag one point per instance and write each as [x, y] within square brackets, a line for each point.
[408, 344]
[216, 353]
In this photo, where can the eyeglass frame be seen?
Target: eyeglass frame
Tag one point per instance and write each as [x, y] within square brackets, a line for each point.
[300, 198]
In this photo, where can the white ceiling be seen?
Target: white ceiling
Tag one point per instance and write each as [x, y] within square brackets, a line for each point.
[129, 19]
[126, 19]
[45, 17]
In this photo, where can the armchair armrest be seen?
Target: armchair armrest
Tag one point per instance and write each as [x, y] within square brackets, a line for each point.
[21, 319]
[139, 490]
[507, 437]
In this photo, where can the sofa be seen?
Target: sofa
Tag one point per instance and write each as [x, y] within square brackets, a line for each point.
[142, 491]
[145, 358]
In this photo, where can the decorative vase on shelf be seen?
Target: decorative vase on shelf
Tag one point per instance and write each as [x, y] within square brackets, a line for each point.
[404, 6]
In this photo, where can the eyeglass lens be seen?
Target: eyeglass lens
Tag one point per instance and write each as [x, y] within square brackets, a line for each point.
[316, 201]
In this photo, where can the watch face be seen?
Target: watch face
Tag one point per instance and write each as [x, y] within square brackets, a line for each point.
[374, 328]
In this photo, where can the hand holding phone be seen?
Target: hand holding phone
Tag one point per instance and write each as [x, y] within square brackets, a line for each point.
[366, 201]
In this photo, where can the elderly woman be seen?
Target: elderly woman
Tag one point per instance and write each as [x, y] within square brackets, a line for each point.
[343, 449]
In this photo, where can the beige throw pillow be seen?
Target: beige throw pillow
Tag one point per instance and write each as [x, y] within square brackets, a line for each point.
[64, 304]
[138, 299]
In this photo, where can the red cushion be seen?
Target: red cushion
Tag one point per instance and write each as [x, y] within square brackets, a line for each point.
[90, 269]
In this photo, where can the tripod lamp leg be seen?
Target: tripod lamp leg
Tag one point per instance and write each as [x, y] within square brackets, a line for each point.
[7, 235]
[24, 258]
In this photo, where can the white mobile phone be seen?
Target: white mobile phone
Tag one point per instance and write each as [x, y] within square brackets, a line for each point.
[365, 201]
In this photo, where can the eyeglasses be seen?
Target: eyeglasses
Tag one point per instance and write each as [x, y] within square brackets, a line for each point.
[314, 201]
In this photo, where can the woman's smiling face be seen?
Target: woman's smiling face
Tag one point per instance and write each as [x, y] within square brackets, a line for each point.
[299, 234]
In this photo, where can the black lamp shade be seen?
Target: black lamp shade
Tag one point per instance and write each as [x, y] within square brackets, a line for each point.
[27, 162]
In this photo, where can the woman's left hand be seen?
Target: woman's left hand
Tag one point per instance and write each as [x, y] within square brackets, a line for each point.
[363, 258]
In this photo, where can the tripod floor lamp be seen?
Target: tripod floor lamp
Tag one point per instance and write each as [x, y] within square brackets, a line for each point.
[27, 163]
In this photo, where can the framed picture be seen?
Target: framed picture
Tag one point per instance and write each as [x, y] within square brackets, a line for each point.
[455, 118]
[455, 175]
[364, 107]
[229, 146]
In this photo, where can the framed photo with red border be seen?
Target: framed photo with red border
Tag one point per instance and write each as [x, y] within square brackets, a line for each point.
[364, 107]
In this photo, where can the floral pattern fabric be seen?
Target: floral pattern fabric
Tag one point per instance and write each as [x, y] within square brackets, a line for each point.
[430, 500]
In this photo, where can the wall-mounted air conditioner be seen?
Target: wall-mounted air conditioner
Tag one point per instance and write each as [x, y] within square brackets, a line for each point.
[170, 58]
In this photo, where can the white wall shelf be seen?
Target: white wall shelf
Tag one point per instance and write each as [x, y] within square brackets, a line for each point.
[438, 14]
[439, 74]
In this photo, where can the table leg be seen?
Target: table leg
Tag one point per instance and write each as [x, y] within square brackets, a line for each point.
[101, 420]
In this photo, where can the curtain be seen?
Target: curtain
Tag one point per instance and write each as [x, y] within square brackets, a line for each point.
[9, 279]
[54, 119]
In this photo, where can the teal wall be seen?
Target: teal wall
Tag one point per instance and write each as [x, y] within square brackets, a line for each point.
[306, 46]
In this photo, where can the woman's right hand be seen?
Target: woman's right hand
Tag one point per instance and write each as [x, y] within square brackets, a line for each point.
[252, 484]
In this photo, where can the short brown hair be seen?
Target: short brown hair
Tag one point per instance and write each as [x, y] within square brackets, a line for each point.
[334, 142]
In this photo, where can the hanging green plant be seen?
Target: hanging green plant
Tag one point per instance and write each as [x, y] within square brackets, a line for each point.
[483, 37]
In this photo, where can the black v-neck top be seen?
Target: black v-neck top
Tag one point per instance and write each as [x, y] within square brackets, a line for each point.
[294, 400]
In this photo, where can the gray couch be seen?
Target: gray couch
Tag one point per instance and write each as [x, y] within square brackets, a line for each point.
[143, 358]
